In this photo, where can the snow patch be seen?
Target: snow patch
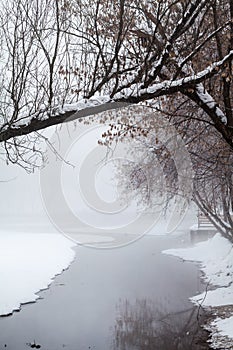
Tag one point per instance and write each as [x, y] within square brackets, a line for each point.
[215, 257]
[218, 297]
[225, 327]
[28, 264]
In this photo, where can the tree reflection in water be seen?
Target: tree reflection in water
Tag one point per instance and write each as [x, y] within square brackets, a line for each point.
[144, 326]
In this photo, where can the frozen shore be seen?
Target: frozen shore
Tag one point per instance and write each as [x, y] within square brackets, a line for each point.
[28, 264]
[215, 257]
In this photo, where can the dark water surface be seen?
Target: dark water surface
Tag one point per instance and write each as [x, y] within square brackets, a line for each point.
[132, 298]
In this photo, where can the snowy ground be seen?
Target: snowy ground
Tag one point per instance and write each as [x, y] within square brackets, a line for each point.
[28, 264]
[216, 261]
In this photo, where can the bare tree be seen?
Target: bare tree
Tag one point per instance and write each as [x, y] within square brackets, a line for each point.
[153, 173]
[71, 59]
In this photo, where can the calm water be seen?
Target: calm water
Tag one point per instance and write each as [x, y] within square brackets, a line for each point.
[128, 298]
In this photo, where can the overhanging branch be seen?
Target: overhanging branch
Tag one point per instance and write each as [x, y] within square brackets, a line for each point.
[94, 105]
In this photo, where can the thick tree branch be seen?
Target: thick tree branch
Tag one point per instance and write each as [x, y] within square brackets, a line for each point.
[136, 94]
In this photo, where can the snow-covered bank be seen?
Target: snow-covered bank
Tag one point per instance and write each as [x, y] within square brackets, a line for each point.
[28, 264]
[216, 261]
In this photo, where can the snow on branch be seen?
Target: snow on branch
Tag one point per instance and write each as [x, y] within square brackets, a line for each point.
[208, 100]
[132, 95]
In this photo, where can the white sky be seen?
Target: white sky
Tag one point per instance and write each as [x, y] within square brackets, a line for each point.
[21, 194]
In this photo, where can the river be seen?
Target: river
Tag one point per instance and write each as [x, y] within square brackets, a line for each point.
[133, 297]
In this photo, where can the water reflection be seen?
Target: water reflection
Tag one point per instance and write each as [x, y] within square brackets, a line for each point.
[145, 326]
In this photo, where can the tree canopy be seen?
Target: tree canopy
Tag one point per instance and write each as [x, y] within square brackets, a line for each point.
[68, 59]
